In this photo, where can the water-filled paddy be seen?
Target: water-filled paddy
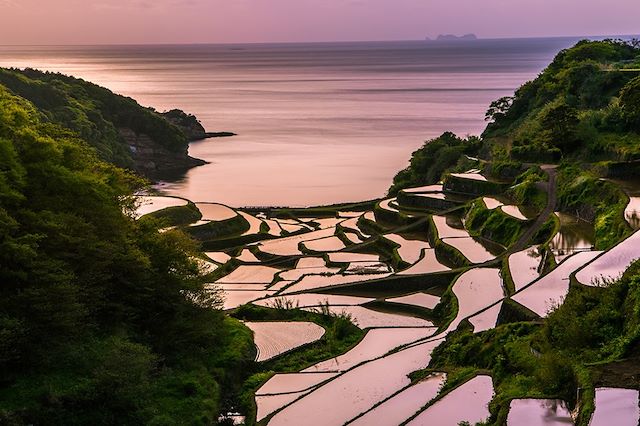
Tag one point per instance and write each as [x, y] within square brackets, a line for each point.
[151, 204]
[293, 382]
[376, 343]
[423, 189]
[429, 264]
[409, 250]
[357, 390]
[449, 227]
[470, 176]
[218, 256]
[368, 318]
[471, 249]
[267, 404]
[275, 338]
[486, 320]
[475, 290]
[612, 264]
[550, 290]
[400, 407]
[539, 412]
[288, 246]
[233, 299]
[348, 257]
[325, 244]
[253, 274]
[254, 223]
[492, 203]
[575, 235]
[616, 406]
[215, 212]
[523, 267]
[632, 212]
[310, 299]
[422, 300]
[513, 211]
[469, 402]
[313, 282]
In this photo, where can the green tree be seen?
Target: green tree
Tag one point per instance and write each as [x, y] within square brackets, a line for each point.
[630, 103]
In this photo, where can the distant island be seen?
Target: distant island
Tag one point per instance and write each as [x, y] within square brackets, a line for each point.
[453, 37]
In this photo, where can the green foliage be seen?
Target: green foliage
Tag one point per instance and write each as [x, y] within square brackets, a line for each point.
[103, 319]
[433, 159]
[94, 113]
[494, 225]
[568, 107]
[630, 103]
[595, 200]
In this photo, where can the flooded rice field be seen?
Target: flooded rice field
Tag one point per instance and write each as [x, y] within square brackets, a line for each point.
[275, 338]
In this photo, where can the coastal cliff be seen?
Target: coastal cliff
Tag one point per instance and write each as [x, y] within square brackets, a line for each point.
[121, 131]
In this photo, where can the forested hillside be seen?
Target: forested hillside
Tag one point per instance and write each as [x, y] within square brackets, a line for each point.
[103, 320]
[121, 131]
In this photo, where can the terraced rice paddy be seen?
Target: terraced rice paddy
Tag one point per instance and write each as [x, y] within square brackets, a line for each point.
[254, 223]
[250, 274]
[524, 267]
[487, 319]
[409, 250]
[615, 406]
[218, 256]
[429, 264]
[449, 227]
[423, 189]
[152, 204]
[235, 298]
[376, 343]
[328, 268]
[422, 300]
[275, 338]
[402, 406]
[468, 403]
[215, 212]
[475, 290]
[316, 282]
[296, 274]
[612, 264]
[513, 211]
[309, 299]
[632, 212]
[368, 318]
[471, 249]
[470, 176]
[574, 236]
[325, 244]
[288, 246]
[387, 205]
[356, 390]
[549, 291]
[492, 203]
[293, 382]
[348, 257]
[267, 404]
[247, 256]
[539, 412]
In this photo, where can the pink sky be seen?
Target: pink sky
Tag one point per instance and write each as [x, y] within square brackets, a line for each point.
[239, 21]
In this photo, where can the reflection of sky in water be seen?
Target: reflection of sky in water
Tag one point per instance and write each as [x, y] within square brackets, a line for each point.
[318, 123]
[574, 235]
[632, 212]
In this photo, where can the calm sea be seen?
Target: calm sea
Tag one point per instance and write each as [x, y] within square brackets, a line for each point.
[317, 123]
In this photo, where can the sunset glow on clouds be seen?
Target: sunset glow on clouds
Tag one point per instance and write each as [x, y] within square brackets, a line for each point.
[227, 21]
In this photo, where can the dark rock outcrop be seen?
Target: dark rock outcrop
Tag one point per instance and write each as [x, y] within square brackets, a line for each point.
[151, 159]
